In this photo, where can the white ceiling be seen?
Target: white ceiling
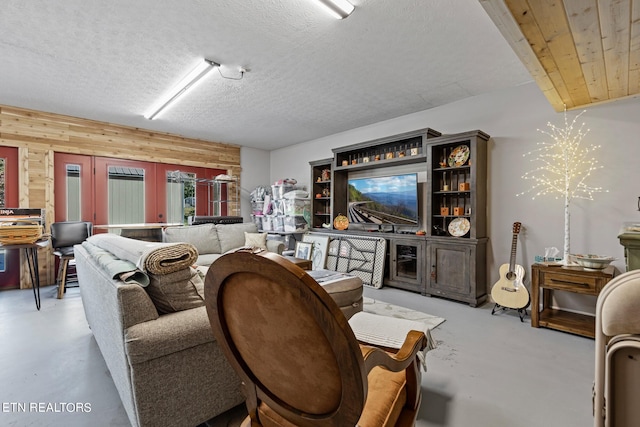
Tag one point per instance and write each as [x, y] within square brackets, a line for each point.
[310, 75]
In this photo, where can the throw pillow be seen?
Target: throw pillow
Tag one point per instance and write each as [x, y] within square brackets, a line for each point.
[231, 236]
[177, 291]
[255, 240]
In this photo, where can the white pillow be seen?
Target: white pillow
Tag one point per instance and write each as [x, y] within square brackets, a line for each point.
[255, 240]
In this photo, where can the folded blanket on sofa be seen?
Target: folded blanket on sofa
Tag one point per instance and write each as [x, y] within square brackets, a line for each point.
[177, 291]
[115, 267]
[151, 257]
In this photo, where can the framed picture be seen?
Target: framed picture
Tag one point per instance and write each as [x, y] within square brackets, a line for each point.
[319, 250]
[303, 250]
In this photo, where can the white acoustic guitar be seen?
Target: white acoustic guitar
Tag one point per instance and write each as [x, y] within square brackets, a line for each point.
[509, 291]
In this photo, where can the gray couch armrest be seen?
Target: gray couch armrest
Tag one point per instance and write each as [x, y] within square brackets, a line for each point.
[169, 333]
[275, 246]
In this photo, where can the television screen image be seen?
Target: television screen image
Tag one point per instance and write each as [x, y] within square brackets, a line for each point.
[384, 200]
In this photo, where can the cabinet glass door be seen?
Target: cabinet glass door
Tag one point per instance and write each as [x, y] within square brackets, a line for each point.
[406, 264]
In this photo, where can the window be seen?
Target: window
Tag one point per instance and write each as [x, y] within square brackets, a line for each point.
[181, 196]
[3, 203]
[9, 260]
[73, 187]
[74, 195]
[126, 195]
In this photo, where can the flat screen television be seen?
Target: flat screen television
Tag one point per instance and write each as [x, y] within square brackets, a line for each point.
[384, 200]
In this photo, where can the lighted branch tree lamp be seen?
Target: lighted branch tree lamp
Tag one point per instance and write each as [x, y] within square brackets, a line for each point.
[564, 167]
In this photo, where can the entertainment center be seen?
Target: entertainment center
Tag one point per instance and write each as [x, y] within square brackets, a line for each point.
[423, 192]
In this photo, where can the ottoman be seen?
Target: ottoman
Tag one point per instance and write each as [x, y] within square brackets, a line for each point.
[345, 289]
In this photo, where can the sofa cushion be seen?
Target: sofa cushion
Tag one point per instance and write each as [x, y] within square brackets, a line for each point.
[177, 291]
[255, 240]
[204, 237]
[206, 260]
[231, 236]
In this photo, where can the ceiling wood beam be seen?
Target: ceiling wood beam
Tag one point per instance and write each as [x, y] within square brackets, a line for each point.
[615, 24]
[580, 52]
[502, 17]
[585, 26]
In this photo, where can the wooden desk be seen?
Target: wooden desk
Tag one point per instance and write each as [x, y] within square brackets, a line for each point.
[31, 253]
[545, 280]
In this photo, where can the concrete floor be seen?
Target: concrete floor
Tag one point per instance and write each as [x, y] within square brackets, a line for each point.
[488, 371]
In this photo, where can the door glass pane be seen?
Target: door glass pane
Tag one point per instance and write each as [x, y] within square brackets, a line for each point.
[2, 205]
[126, 195]
[181, 196]
[3, 162]
[74, 195]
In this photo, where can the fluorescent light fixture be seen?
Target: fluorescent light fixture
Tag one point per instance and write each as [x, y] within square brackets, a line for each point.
[188, 82]
[337, 8]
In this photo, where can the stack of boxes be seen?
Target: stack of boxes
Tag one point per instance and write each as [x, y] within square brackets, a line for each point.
[284, 210]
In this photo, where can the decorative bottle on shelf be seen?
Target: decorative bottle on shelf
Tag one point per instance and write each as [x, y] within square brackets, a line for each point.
[389, 153]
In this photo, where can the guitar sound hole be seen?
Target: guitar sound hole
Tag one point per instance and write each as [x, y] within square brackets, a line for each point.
[511, 275]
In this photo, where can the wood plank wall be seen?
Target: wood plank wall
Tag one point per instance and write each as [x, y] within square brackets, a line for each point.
[38, 135]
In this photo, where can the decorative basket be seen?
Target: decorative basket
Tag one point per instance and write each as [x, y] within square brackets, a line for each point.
[24, 233]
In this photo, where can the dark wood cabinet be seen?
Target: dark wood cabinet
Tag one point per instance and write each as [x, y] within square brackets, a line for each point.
[450, 260]
[406, 259]
[545, 280]
[456, 269]
[456, 214]
[320, 193]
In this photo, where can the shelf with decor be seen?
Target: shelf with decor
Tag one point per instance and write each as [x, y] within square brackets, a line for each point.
[456, 216]
[457, 188]
[321, 191]
[396, 150]
[403, 149]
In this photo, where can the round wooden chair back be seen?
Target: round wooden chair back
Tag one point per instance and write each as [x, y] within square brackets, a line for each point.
[287, 339]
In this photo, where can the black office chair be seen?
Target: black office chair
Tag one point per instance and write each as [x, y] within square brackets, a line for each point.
[63, 236]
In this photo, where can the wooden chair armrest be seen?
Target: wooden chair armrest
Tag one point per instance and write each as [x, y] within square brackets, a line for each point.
[407, 354]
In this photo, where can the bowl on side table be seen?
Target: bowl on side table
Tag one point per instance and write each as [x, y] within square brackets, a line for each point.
[593, 262]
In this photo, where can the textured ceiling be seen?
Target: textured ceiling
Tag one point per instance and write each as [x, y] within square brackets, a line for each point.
[310, 75]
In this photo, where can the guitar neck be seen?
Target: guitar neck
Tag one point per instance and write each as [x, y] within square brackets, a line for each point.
[514, 245]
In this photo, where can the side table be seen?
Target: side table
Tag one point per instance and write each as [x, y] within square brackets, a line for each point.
[31, 253]
[547, 279]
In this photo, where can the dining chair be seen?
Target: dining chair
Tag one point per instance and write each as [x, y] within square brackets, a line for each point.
[64, 235]
[297, 357]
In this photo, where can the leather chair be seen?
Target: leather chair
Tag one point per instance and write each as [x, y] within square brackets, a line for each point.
[295, 353]
[617, 373]
[63, 236]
